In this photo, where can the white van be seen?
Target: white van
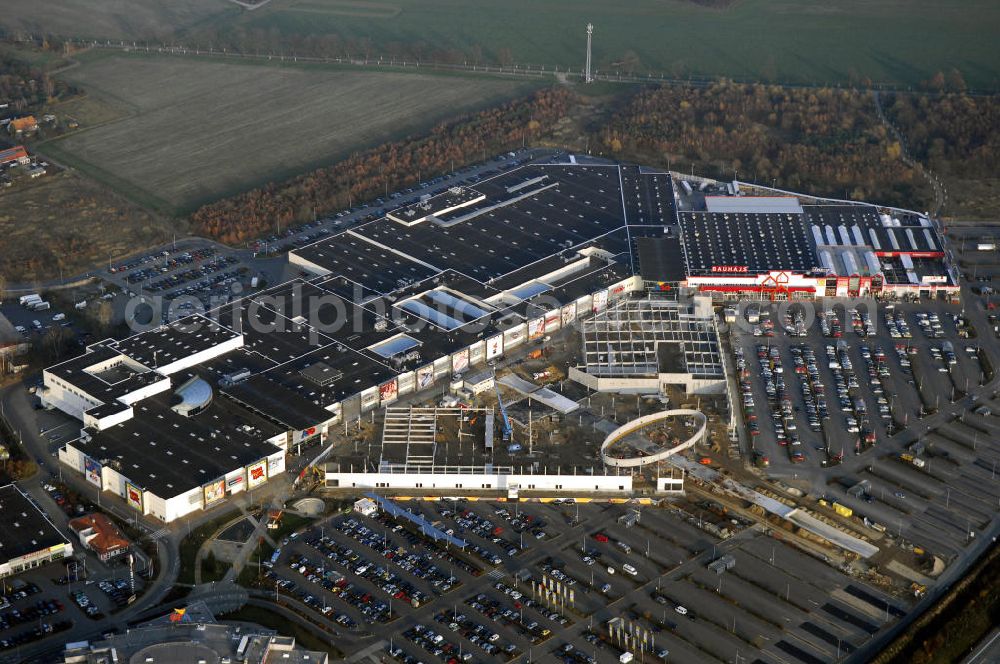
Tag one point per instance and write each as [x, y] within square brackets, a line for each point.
[629, 569]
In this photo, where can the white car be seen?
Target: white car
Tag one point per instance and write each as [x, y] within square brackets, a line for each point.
[681, 610]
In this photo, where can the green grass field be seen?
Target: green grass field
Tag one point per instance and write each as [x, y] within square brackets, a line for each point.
[192, 131]
[901, 42]
[110, 19]
[803, 41]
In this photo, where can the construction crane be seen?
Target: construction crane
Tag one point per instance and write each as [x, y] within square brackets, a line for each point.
[507, 431]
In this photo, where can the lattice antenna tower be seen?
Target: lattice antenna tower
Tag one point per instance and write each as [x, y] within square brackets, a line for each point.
[587, 77]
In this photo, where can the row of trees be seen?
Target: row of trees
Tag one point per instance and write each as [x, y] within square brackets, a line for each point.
[826, 141]
[333, 45]
[25, 87]
[954, 134]
[392, 166]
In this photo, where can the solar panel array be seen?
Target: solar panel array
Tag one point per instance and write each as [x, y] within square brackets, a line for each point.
[746, 242]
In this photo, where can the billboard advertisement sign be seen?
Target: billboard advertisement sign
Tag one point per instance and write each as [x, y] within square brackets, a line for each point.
[476, 352]
[299, 436]
[600, 300]
[92, 470]
[133, 496]
[275, 465]
[425, 376]
[388, 391]
[460, 361]
[215, 491]
[494, 347]
[257, 473]
[568, 314]
[515, 336]
[552, 321]
[536, 328]
[369, 398]
[234, 481]
[407, 382]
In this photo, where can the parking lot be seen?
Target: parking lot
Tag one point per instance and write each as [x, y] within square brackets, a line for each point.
[44, 602]
[512, 595]
[205, 273]
[32, 324]
[814, 388]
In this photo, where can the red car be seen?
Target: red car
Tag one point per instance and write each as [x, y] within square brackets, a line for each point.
[601, 537]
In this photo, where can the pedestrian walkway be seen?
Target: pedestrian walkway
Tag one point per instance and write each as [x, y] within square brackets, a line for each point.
[158, 534]
[368, 654]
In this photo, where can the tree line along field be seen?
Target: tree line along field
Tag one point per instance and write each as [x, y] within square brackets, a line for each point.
[825, 141]
[899, 42]
[795, 41]
[195, 131]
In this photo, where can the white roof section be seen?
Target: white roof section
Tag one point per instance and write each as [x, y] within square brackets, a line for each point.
[753, 204]
[401, 343]
[826, 260]
[893, 240]
[874, 237]
[845, 239]
[850, 264]
[873, 265]
[540, 394]
[831, 238]
[930, 239]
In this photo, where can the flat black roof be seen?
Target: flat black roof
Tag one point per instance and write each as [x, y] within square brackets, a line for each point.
[585, 203]
[368, 265]
[169, 343]
[24, 528]
[754, 242]
[273, 400]
[649, 197]
[269, 333]
[359, 370]
[168, 454]
[660, 258]
[434, 205]
[107, 385]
